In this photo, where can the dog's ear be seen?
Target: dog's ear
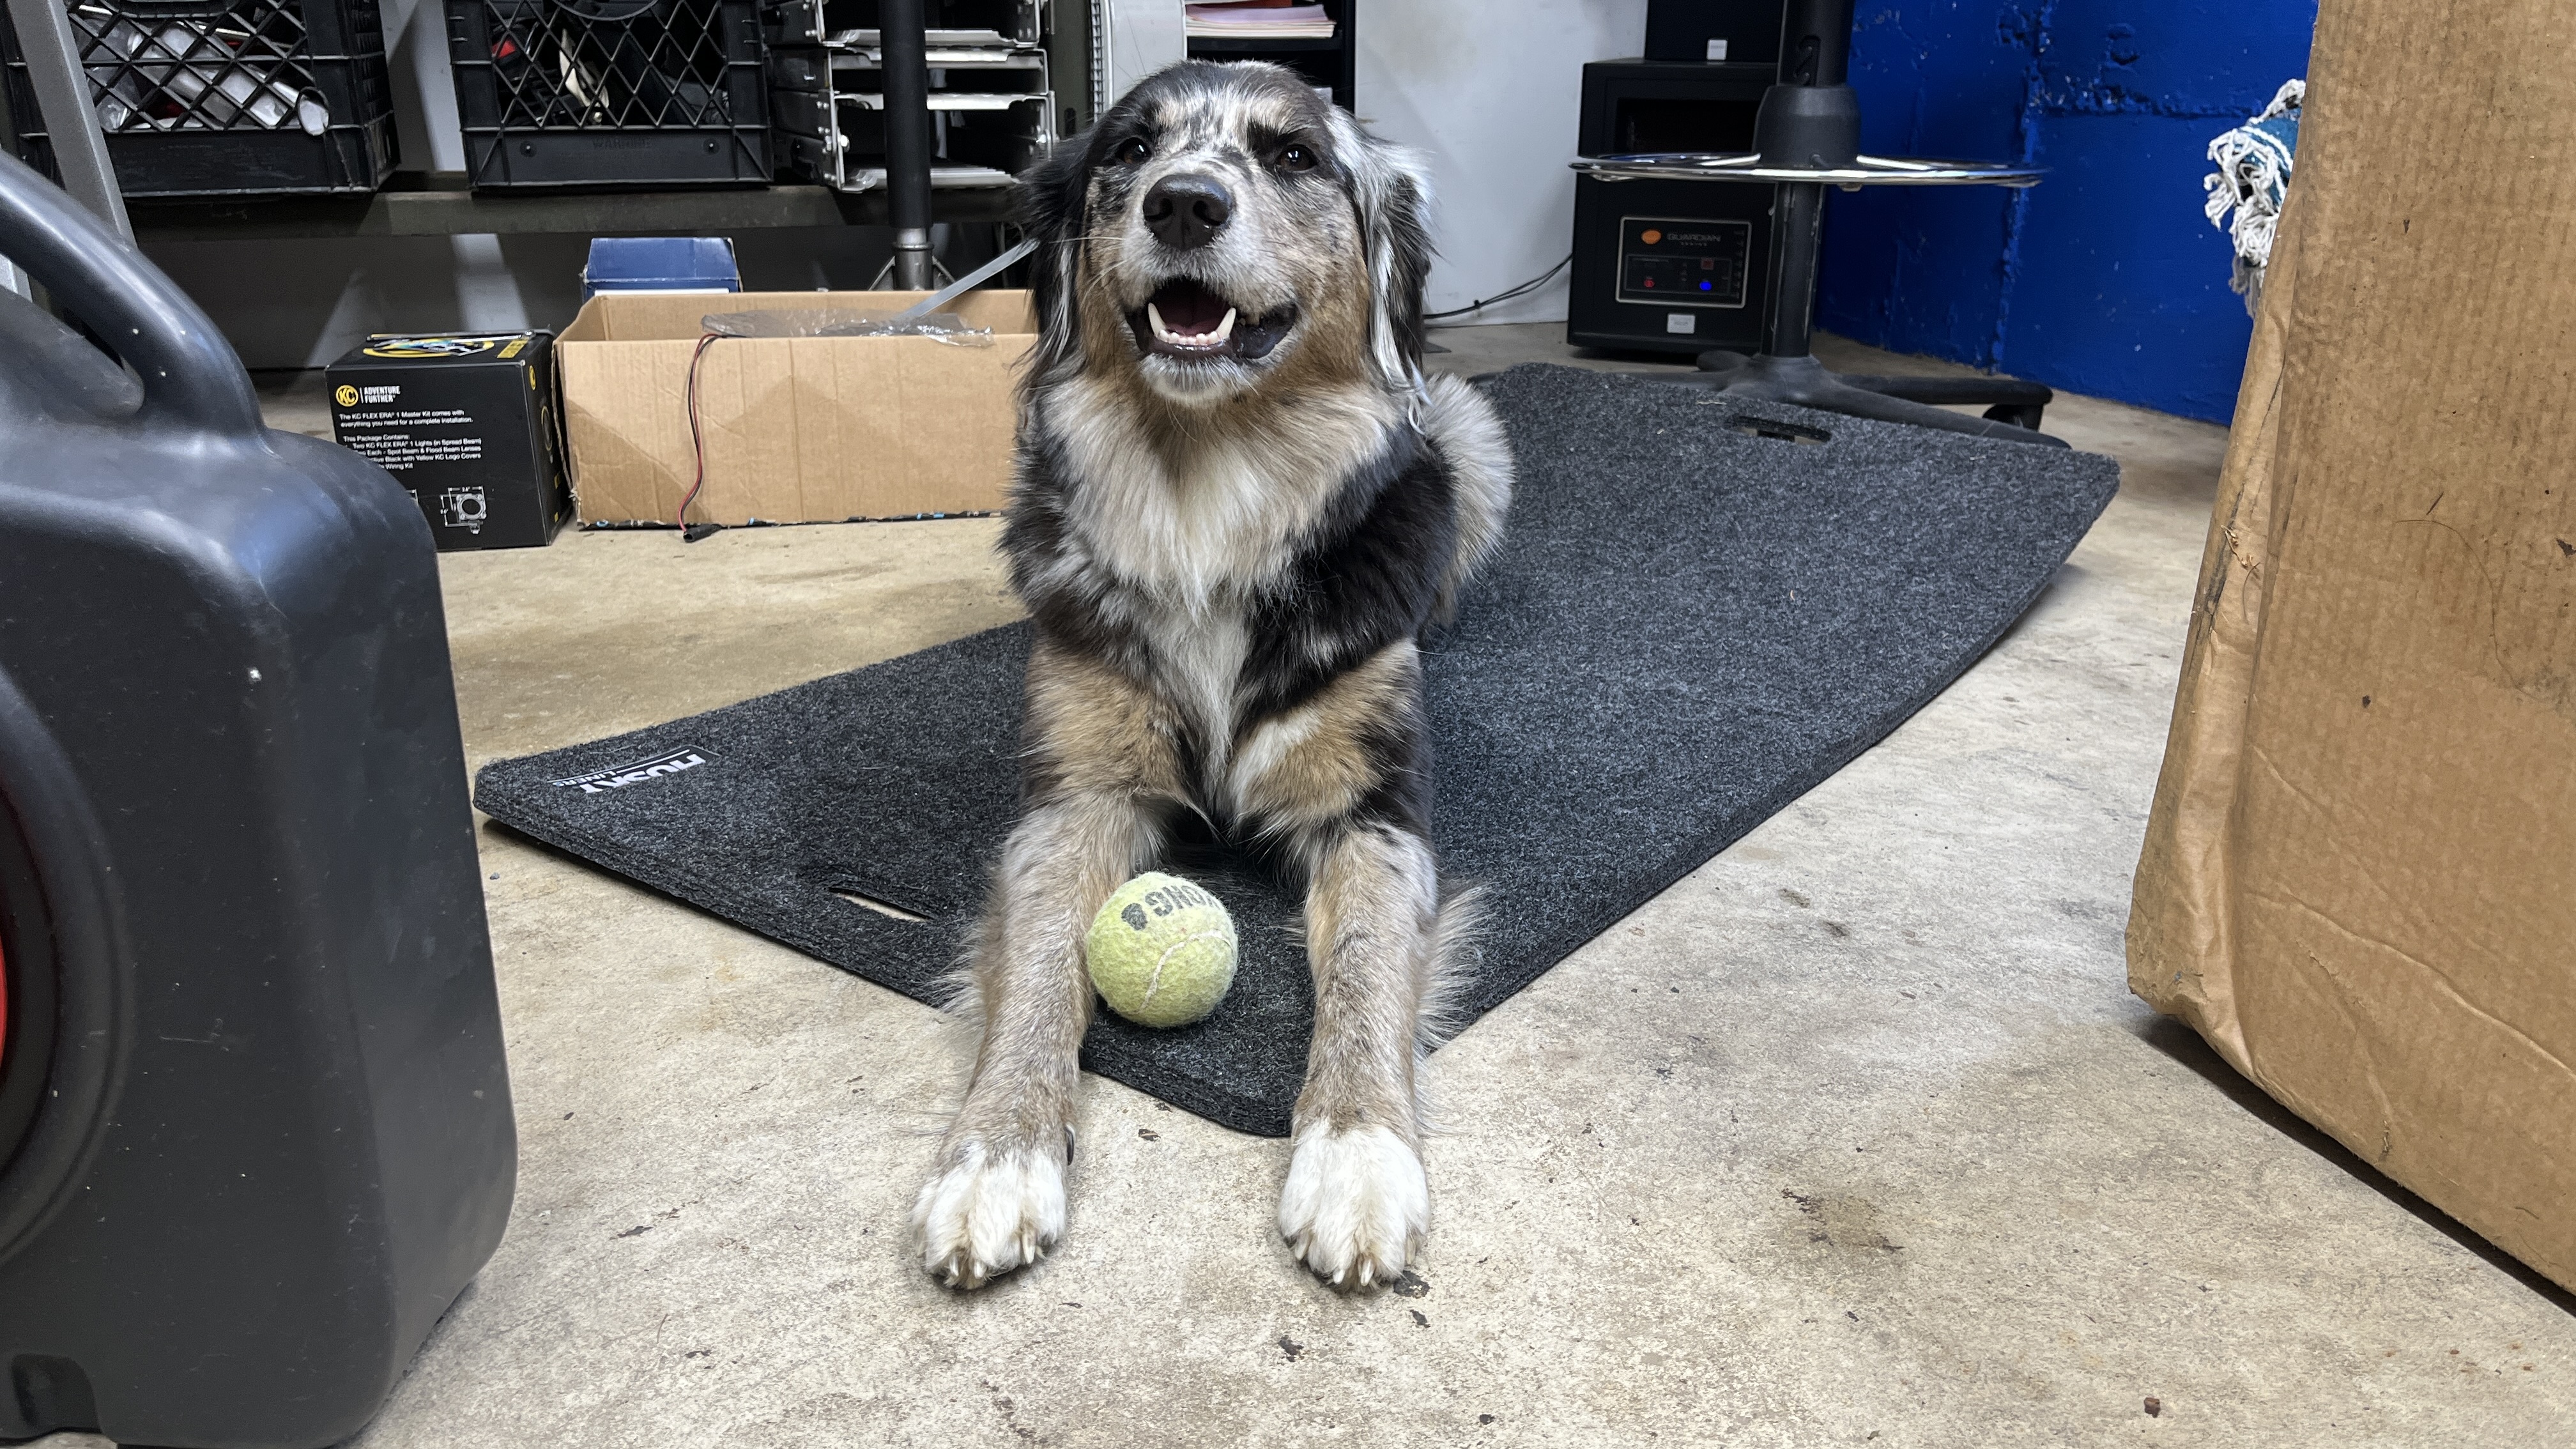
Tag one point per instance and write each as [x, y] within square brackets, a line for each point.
[1050, 204]
[1392, 190]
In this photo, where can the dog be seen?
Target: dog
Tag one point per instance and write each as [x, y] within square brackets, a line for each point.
[1237, 506]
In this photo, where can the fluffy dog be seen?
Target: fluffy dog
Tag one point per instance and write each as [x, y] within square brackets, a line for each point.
[1237, 507]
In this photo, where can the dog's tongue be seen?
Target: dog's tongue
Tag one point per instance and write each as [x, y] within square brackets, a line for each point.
[1188, 308]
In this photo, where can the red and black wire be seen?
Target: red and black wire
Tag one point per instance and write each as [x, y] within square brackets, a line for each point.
[692, 532]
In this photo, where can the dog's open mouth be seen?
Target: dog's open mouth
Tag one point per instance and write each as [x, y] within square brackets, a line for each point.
[1186, 320]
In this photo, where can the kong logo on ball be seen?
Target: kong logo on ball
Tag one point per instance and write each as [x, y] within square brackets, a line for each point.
[1175, 894]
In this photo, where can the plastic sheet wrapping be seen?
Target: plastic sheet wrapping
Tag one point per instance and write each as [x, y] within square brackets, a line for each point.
[796, 429]
[945, 327]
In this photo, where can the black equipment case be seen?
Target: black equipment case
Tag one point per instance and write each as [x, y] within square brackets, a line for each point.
[1694, 32]
[255, 1129]
[1669, 266]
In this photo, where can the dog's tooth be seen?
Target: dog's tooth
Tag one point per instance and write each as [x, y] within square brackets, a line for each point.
[1154, 315]
[1224, 329]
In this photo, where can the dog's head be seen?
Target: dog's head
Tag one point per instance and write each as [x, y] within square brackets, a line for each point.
[1221, 227]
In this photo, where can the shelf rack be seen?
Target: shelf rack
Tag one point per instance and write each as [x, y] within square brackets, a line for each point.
[1328, 65]
[440, 204]
[992, 108]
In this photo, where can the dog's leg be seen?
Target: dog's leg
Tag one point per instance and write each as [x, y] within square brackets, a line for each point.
[1340, 779]
[1099, 752]
[996, 1201]
[1356, 1200]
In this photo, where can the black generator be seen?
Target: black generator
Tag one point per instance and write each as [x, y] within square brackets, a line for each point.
[1670, 266]
[255, 1130]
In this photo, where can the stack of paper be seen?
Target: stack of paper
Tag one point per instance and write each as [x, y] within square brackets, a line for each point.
[1259, 20]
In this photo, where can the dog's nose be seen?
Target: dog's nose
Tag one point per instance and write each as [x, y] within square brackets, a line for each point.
[1187, 211]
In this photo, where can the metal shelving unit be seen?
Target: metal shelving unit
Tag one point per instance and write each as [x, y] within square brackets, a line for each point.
[992, 106]
[1327, 64]
[1007, 64]
[442, 205]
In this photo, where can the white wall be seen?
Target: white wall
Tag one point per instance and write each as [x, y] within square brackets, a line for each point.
[1144, 36]
[1489, 92]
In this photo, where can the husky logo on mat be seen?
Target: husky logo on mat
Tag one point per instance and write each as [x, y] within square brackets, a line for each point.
[618, 777]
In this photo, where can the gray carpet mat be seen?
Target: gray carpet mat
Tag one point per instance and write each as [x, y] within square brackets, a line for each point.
[1689, 625]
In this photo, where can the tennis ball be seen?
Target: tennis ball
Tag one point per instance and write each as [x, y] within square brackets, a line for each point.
[1161, 951]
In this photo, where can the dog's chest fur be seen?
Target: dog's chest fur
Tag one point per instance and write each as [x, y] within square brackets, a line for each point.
[1207, 569]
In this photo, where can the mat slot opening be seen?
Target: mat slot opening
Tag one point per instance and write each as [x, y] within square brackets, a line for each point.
[882, 908]
[1753, 427]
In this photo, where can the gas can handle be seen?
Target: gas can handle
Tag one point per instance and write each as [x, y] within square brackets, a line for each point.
[191, 376]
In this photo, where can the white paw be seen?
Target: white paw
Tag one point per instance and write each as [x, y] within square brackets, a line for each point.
[1356, 1201]
[988, 1215]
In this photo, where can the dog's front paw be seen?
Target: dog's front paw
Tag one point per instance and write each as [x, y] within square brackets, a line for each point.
[1355, 1204]
[987, 1214]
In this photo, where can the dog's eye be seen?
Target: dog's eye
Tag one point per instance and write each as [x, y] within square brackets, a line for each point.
[1132, 152]
[1297, 158]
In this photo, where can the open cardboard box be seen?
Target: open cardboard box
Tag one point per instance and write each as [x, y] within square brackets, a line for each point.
[2359, 881]
[797, 430]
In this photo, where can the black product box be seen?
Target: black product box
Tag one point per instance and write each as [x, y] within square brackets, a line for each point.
[467, 423]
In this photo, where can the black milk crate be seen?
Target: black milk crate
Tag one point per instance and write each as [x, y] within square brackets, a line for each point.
[225, 97]
[610, 93]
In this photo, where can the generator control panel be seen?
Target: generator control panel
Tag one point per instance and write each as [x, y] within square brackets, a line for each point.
[1684, 262]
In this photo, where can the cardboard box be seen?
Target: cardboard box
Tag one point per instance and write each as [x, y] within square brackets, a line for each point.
[466, 422]
[797, 430]
[2359, 880]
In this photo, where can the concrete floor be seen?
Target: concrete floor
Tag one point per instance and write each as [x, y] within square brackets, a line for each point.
[1854, 1136]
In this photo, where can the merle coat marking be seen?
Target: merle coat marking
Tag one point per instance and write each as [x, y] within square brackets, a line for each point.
[1238, 507]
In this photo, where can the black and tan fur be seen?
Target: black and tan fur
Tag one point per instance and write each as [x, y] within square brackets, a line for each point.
[1230, 543]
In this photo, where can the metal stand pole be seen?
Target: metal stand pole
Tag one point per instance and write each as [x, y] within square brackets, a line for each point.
[1797, 241]
[1809, 119]
[907, 124]
[62, 98]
